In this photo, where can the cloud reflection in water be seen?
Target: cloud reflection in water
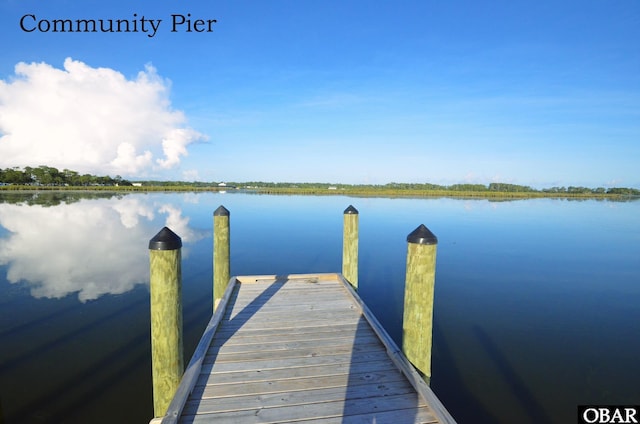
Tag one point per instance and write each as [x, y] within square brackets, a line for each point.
[90, 247]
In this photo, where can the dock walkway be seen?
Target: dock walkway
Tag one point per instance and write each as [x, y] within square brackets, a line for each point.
[299, 348]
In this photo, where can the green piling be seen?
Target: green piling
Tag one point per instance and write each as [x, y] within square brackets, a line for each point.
[350, 246]
[166, 317]
[221, 265]
[417, 325]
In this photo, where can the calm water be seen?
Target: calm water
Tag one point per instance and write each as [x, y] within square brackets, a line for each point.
[537, 301]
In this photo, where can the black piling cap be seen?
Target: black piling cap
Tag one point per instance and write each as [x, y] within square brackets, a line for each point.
[351, 210]
[165, 240]
[422, 235]
[221, 211]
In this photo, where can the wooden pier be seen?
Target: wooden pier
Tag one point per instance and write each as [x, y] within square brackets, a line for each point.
[293, 348]
[299, 348]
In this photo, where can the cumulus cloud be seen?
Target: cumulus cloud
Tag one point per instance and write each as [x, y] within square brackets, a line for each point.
[90, 119]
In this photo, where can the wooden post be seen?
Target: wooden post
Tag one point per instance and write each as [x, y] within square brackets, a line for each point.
[221, 266]
[417, 325]
[350, 246]
[166, 317]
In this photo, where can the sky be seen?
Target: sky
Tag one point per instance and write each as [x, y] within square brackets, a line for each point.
[540, 93]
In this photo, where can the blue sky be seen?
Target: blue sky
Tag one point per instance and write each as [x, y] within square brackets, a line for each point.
[541, 93]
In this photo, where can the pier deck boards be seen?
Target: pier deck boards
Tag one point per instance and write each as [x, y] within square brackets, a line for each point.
[299, 348]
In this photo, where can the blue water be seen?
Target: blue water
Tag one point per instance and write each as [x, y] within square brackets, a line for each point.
[537, 304]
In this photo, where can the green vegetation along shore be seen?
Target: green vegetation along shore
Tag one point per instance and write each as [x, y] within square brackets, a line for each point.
[49, 178]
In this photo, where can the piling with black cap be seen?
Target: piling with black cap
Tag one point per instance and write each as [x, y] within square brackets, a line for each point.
[166, 317]
[221, 258]
[350, 246]
[417, 325]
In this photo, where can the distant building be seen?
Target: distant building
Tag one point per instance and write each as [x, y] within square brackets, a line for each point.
[136, 184]
[222, 184]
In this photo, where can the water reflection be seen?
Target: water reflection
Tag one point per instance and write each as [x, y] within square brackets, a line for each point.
[60, 247]
[53, 198]
[535, 299]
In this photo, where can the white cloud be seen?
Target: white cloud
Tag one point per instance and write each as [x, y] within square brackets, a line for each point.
[174, 145]
[90, 119]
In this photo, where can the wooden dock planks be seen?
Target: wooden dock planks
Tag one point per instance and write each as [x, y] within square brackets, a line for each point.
[299, 348]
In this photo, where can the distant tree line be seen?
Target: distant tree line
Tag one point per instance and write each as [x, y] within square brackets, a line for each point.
[50, 176]
[170, 184]
[479, 188]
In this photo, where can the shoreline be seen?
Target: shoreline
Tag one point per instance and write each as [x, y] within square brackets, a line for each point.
[352, 191]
